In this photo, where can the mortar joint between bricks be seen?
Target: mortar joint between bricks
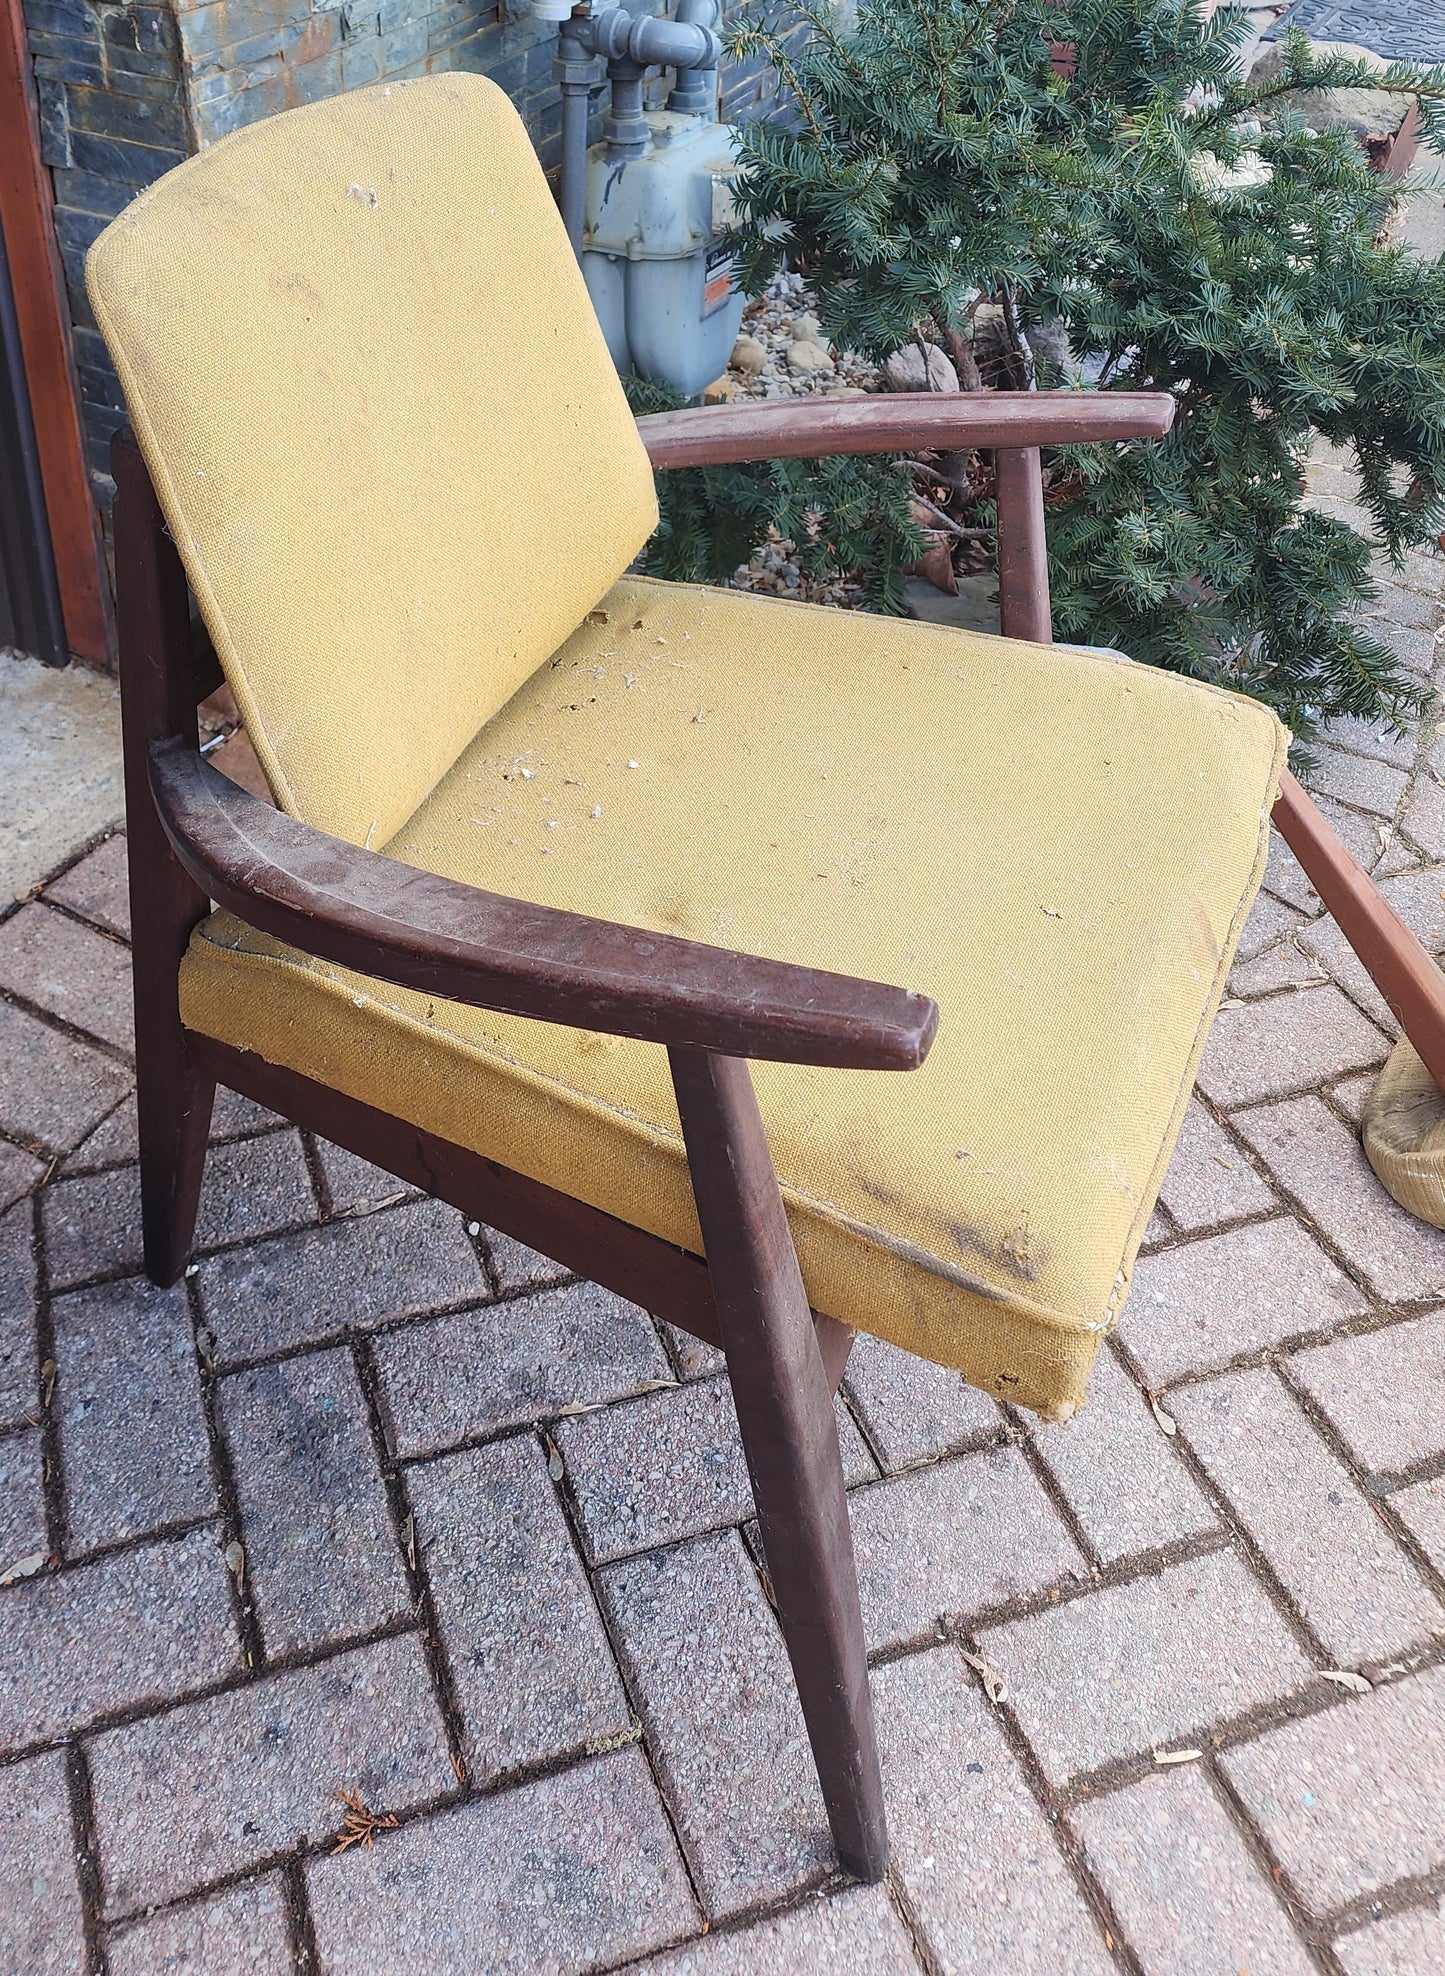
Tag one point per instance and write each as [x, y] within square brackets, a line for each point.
[1377, 1498]
[243, 1605]
[72, 1032]
[1252, 1552]
[1420, 1890]
[1272, 1870]
[1054, 1810]
[87, 1856]
[408, 1541]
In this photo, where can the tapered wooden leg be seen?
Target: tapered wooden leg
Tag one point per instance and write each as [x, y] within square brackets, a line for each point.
[1398, 964]
[784, 1403]
[158, 700]
[173, 1102]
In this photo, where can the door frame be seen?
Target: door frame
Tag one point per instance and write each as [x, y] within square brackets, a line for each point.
[28, 219]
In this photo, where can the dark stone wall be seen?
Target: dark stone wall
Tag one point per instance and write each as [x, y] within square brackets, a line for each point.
[127, 91]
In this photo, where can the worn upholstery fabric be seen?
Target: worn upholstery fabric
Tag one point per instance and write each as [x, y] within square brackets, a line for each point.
[1060, 848]
[1404, 1133]
[383, 425]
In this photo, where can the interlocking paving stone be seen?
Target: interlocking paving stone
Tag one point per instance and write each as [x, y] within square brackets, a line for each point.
[42, 1929]
[518, 1267]
[987, 1881]
[1363, 783]
[568, 1874]
[1183, 1882]
[1362, 739]
[1121, 1475]
[1323, 1165]
[1422, 1509]
[18, 1368]
[242, 1932]
[251, 1188]
[114, 1142]
[1424, 820]
[1158, 1659]
[232, 1115]
[955, 1539]
[92, 1226]
[533, 1673]
[320, 1547]
[1352, 1799]
[132, 1432]
[1284, 877]
[1284, 966]
[704, 1656]
[364, 1721]
[98, 888]
[480, 1370]
[298, 1288]
[1204, 1303]
[1325, 1542]
[854, 1933]
[1407, 1945]
[1325, 942]
[52, 1089]
[915, 1410]
[19, 1172]
[1384, 1392]
[355, 1185]
[1269, 921]
[73, 971]
[1351, 1093]
[696, 1359]
[147, 1625]
[1417, 898]
[1399, 606]
[22, 1502]
[1265, 1049]
[667, 1466]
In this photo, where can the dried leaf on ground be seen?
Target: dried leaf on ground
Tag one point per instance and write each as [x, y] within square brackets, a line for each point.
[1177, 1756]
[603, 1745]
[235, 1556]
[360, 1825]
[25, 1567]
[1166, 1420]
[1345, 1677]
[994, 1685]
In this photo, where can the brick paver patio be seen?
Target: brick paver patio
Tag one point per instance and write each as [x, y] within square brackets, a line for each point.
[380, 1503]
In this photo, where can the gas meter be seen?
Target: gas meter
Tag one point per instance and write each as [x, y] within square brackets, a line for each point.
[646, 207]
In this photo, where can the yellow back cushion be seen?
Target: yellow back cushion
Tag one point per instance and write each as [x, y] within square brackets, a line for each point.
[383, 425]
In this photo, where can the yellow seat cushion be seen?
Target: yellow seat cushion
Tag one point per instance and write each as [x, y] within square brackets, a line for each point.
[1057, 846]
[377, 407]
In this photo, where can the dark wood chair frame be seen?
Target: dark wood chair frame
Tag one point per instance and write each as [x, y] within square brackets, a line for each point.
[195, 838]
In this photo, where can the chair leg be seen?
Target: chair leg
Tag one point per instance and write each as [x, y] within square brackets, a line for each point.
[1398, 964]
[158, 700]
[173, 1103]
[785, 1411]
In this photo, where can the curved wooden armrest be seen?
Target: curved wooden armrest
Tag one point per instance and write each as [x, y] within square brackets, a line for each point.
[368, 912]
[900, 422]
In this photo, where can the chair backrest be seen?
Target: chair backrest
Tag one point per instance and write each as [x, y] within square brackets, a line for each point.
[383, 426]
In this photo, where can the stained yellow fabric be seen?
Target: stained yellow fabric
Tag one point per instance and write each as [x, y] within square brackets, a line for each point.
[1404, 1134]
[1060, 848]
[383, 424]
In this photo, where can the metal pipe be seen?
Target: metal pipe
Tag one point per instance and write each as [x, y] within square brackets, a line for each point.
[578, 72]
[695, 91]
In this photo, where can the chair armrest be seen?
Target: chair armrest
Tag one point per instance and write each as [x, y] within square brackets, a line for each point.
[368, 912]
[900, 422]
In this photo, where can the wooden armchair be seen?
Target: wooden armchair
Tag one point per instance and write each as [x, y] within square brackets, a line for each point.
[537, 819]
